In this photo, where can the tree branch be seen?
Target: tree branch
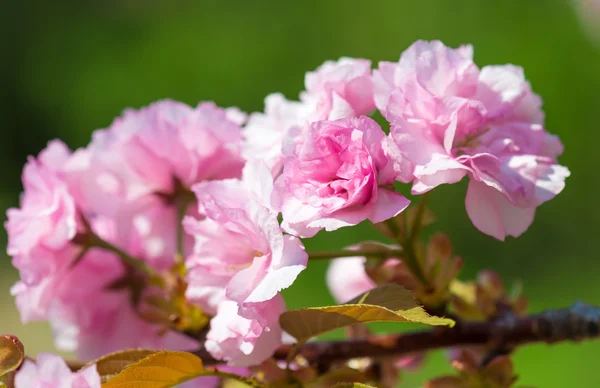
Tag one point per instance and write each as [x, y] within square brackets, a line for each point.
[576, 323]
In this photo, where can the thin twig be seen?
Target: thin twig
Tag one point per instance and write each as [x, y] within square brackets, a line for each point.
[328, 255]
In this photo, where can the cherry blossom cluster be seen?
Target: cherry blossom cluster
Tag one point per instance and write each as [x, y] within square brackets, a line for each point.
[205, 187]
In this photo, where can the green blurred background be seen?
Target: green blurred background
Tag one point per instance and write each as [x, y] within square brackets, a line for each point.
[69, 67]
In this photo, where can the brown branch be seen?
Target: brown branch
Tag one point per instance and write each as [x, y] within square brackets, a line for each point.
[576, 323]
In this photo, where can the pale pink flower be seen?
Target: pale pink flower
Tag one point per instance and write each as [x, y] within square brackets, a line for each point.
[41, 230]
[47, 216]
[107, 327]
[346, 278]
[339, 89]
[240, 251]
[264, 132]
[52, 263]
[336, 174]
[51, 371]
[155, 149]
[245, 341]
[92, 329]
[451, 120]
[333, 91]
[170, 140]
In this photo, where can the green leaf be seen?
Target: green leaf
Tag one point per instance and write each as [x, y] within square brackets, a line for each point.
[166, 369]
[352, 385]
[112, 364]
[12, 353]
[386, 303]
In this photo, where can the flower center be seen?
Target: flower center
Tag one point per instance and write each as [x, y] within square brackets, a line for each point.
[470, 140]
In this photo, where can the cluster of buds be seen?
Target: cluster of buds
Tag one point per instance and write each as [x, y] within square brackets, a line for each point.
[498, 373]
[486, 298]
[300, 374]
[489, 365]
[170, 310]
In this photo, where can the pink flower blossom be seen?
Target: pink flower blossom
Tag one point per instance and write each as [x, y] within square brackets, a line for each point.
[336, 174]
[240, 251]
[40, 231]
[335, 90]
[150, 150]
[242, 341]
[264, 132]
[51, 371]
[125, 185]
[340, 89]
[450, 120]
[91, 329]
[346, 278]
[47, 216]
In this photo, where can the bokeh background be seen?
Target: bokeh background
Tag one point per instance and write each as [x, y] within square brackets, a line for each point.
[69, 67]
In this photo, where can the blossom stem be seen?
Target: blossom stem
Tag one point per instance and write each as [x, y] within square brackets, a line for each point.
[328, 255]
[182, 198]
[418, 222]
[182, 207]
[95, 241]
[410, 241]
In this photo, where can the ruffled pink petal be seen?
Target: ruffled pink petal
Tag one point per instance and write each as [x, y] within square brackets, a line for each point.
[493, 214]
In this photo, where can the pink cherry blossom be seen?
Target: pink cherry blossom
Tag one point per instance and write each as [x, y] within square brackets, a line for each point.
[51, 371]
[153, 149]
[264, 132]
[451, 120]
[335, 90]
[123, 186]
[242, 341]
[240, 251]
[336, 174]
[41, 230]
[47, 216]
[340, 89]
[346, 278]
[91, 329]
